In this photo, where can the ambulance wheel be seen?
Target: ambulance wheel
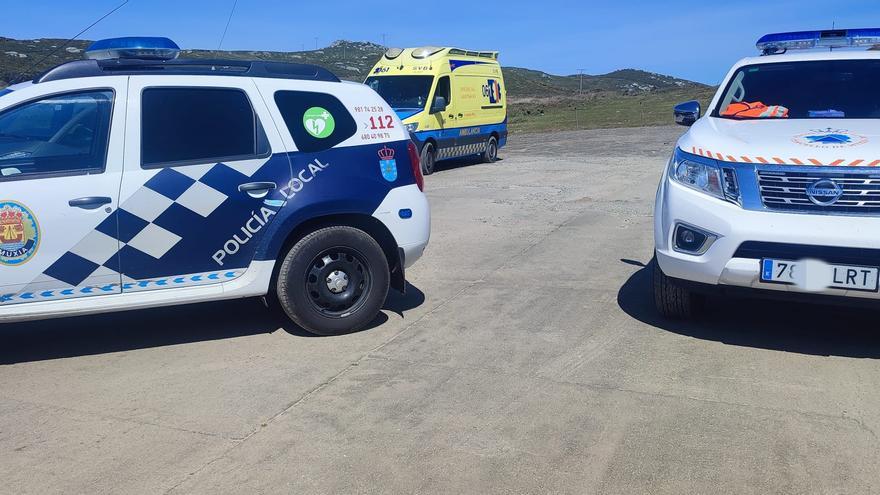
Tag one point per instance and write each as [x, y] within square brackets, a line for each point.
[671, 300]
[333, 281]
[428, 158]
[491, 153]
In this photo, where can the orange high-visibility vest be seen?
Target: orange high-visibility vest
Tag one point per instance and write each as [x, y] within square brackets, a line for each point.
[745, 109]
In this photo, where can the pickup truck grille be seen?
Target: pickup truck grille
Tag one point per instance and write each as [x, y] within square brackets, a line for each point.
[787, 191]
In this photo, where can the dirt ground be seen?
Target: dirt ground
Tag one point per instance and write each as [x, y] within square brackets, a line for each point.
[525, 358]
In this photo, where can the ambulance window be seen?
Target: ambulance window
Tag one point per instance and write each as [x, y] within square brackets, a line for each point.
[316, 121]
[443, 89]
[59, 135]
[185, 126]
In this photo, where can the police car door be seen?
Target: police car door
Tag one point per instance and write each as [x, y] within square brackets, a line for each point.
[201, 182]
[60, 171]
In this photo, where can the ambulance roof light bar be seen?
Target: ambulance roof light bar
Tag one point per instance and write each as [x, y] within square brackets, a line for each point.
[133, 47]
[776, 43]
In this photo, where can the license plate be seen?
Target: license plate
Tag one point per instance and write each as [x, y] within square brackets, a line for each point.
[816, 275]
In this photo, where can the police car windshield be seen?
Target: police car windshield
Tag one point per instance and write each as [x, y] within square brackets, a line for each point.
[831, 89]
[402, 91]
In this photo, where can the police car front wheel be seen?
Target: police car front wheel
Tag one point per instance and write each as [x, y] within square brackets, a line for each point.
[334, 280]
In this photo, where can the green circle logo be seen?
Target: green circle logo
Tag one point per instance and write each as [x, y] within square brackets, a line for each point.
[319, 122]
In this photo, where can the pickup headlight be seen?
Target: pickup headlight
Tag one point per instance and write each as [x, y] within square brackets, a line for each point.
[705, 175]
[412, 127]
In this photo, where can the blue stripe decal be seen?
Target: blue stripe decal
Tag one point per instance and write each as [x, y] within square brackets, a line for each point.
[455, 64]
[405, 113]
[187, 280]
[455, 132]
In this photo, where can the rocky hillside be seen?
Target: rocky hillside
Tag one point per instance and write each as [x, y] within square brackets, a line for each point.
[23, 59]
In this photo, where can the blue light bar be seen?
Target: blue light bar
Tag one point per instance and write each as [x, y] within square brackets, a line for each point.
[139, 47]
[832, 38]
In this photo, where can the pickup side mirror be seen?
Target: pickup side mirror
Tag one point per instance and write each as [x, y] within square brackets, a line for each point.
[687, 113]
[439, 104]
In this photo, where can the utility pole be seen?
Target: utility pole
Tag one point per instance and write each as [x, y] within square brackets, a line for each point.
[383, 40]
[316, 42]
[581, 77]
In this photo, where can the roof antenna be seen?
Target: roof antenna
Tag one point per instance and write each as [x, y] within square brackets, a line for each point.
[231, 12]
[64, 45]
[833, 25]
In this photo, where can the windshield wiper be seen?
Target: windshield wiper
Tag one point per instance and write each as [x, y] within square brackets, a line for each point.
[16, 136]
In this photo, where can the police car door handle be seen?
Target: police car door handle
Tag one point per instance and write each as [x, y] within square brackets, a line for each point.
[257, 186]
[257, 189]
[90, 202]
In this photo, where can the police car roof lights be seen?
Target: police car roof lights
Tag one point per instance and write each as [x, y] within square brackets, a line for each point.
[133, 47]
[804, 40]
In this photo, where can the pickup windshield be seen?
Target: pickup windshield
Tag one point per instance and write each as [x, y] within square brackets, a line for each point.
[402, 91]
[830, 89]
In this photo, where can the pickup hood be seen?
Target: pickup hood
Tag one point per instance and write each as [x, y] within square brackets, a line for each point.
[832, 142]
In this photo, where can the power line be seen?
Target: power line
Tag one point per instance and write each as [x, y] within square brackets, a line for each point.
[64, 45]
[231, 12]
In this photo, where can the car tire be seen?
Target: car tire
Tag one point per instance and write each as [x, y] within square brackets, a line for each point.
[333, 281]
[670, 299]
[490, 155]
[428, 158]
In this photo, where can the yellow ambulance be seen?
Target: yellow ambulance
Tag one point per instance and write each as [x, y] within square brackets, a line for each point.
[452, 101]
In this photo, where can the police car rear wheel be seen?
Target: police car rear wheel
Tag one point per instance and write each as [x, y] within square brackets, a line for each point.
[491, 153]
[671, 300]
[333, 281]
[428, 159]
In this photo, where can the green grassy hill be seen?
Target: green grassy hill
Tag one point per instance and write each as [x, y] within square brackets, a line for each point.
[538, 101]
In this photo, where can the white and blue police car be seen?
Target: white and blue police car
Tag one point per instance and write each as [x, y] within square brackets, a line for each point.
[775, 191]
[135, 179]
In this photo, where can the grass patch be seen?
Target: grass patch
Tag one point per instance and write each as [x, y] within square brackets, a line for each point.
[600, 111]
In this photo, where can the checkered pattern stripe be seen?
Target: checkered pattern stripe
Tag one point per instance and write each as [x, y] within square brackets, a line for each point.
[463, 150]
[151, 221]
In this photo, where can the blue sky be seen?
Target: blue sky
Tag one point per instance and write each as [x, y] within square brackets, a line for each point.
[693, 39]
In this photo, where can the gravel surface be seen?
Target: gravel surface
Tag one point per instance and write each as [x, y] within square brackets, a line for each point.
[525, 358]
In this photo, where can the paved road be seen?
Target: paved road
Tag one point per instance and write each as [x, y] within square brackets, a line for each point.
[526, 358]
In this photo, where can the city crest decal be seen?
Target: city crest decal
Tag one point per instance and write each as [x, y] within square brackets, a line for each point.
[19, 234]
[387, 164]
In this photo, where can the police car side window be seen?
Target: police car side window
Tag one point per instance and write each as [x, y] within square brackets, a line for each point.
[316, 121]
[185, 126]
[64, 134]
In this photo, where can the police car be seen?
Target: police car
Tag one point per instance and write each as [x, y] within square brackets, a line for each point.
[134, 179]
[776, 189]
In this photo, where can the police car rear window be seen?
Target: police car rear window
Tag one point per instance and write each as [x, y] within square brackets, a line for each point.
[182, 126]
[316, 121]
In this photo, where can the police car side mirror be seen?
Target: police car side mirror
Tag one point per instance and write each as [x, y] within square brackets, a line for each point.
[439, 104]
[687, 113]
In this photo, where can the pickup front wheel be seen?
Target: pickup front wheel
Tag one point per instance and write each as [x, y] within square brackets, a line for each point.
[333, 281]
[671, 300]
